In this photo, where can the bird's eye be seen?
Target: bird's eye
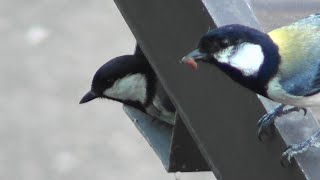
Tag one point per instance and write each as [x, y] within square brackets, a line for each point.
[110, 80]
[224, 43]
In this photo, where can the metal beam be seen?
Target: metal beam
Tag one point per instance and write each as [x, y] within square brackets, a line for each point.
[220, 114]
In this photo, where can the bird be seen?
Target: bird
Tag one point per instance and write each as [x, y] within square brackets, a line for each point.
[130, 79]
[282, 65]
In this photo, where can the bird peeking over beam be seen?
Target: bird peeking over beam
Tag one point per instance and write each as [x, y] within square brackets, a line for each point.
[129, 79]
[283, 65]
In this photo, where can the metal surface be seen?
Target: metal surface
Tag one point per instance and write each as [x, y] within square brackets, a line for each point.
[220, 114]
[157, 133]
[185, 155]
[174, 145]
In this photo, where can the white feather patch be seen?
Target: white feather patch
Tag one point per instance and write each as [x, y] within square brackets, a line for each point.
[131, 87]
[247, 58]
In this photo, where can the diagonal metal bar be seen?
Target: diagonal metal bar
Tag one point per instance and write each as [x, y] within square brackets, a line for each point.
[220, 114]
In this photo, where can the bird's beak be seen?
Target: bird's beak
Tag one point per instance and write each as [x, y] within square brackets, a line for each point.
[192, 58]
[88, 97]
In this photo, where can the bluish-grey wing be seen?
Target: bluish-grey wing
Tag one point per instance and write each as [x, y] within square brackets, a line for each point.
[303, 83]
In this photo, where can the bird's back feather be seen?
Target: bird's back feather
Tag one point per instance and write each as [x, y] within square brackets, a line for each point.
[299, 49]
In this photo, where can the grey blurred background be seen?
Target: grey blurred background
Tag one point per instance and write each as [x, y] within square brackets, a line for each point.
[49, 52]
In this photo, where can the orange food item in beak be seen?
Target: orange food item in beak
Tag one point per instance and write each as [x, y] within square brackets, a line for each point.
[192, 63]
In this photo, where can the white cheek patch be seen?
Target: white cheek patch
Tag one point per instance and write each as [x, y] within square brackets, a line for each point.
[224, 55]
[247, 58]
[131, 87]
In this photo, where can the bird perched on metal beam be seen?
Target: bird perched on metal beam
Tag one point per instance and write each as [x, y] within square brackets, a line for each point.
[283, 65]
[129, 79]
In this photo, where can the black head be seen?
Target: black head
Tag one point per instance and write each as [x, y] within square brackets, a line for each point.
[247, 55]
[114, 70]
[231, 35]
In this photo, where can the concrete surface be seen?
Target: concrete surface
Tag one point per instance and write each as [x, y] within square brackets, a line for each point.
[49, 52]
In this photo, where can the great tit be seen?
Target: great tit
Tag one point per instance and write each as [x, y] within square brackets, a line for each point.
[129, 79]
[283, 65]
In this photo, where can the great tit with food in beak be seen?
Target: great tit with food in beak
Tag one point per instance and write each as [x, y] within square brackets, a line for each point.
[283, 65]
[129, 79]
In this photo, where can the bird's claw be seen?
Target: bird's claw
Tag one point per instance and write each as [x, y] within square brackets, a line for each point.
[266, 125]
[304, 111]
[286, 157]
[295, 149]
[265, 118]
[292, 109]
[291, 151]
